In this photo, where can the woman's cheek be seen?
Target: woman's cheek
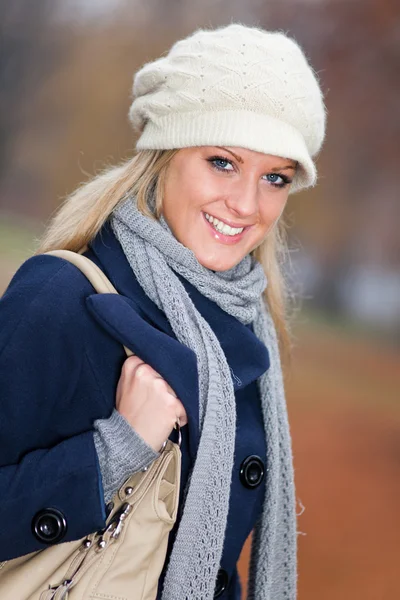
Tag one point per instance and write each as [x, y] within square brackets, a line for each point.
[268, 223]
[273, 213]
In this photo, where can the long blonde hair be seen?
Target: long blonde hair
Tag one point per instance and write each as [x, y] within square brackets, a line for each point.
[83, 213]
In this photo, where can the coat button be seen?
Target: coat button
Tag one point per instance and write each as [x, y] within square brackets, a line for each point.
[252, 471]
[221, 584]
[49, 526]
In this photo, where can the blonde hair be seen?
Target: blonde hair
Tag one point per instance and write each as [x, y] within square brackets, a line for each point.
[83, 213]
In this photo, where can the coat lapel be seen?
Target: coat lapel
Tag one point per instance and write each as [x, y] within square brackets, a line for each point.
[176, 363]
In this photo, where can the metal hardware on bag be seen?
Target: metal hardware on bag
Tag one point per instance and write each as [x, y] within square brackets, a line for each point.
[126, 510]
[85, 545]
[115, 526]
[178, 428]
[59, 588]
[128, 490]
[66, 584]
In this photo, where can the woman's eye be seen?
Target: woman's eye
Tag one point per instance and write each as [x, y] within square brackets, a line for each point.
[221, 163]
[274, 178]
[278, 180]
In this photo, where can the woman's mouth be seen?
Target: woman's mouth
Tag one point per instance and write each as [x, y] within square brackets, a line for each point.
[224, 232]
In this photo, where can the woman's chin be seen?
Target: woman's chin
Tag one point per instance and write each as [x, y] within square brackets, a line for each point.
[218, 264]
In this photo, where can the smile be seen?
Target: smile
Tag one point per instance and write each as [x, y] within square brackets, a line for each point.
[222, 227]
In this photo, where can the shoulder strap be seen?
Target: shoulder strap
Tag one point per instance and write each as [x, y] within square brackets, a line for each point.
[92, 272]
[97, 278]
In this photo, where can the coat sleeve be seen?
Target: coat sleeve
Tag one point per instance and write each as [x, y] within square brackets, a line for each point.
[50, 482]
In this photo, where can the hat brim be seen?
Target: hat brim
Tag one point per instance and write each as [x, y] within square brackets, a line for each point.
[241, 128]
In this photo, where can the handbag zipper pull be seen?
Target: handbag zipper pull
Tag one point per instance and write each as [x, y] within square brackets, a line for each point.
[114, 527]
[62, 591]
[57, 592]
[125, 510]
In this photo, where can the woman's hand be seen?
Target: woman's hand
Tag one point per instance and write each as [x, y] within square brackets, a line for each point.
[147, 402]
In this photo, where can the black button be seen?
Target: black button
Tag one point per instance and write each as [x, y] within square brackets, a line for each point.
[252, 471]
[222, 583]
[49, 525]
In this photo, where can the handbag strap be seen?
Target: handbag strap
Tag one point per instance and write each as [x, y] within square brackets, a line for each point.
[92, 272]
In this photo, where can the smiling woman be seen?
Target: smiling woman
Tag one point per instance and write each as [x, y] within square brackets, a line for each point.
[222, 206]
[190, 233]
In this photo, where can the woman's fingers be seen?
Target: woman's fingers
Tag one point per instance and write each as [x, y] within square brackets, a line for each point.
[148, 402]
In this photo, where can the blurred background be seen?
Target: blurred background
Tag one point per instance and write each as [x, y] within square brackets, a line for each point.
[66, 69]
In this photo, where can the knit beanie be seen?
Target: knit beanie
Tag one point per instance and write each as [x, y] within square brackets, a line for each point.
[233, 86]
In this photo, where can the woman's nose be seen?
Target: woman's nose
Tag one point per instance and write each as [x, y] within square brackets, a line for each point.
[243, 200]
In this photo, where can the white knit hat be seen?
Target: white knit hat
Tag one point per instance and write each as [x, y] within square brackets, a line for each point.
[233, 86]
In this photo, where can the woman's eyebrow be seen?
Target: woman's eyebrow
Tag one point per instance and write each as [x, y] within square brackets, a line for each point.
[282, 168]
[240, 159]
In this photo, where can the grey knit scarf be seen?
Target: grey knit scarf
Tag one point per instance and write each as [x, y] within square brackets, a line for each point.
[154, 254]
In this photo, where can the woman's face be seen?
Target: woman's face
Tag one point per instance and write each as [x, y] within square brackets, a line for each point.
[221, 202]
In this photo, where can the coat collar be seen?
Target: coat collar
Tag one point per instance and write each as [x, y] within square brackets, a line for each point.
[138, 323]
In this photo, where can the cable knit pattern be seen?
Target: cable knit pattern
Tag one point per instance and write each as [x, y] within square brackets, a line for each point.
[233, 86]
[154, 254]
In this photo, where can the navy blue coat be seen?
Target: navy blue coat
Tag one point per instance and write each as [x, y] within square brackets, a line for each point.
[60, 360]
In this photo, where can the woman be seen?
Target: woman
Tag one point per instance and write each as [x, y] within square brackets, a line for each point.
[188, 231]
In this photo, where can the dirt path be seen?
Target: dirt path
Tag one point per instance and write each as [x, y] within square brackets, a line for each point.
[344, 409]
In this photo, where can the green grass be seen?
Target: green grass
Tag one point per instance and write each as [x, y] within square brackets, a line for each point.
[17, 243]
[16, 240]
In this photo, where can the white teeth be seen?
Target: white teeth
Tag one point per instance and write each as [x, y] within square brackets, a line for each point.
[226, 229]
[223, 227]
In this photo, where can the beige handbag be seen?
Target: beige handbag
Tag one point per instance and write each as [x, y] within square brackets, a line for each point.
[124, 561]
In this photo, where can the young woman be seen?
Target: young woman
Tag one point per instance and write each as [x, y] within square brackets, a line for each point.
[189, 233]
